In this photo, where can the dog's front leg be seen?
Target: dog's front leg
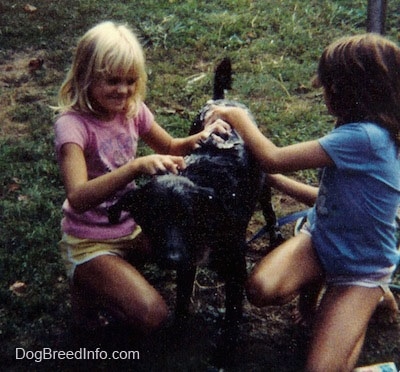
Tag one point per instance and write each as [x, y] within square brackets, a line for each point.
[184, 282]
[234, 275]
[234, 282]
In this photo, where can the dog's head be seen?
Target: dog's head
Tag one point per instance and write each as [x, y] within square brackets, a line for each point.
[198, 122]
[174, 213]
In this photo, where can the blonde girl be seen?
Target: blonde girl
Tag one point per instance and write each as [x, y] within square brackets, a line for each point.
[102, 115]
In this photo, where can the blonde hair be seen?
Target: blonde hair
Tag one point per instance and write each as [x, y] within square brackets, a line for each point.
[107, 49]
[361, 78]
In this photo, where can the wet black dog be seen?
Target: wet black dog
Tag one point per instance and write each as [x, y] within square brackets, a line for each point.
[202, 214]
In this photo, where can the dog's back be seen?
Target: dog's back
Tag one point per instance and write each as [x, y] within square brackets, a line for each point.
[231, 171]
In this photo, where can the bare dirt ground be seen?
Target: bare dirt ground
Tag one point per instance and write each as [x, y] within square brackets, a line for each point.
[269, 338]
[24, 78]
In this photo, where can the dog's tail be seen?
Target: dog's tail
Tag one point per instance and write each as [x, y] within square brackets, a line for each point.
[222, 82]
[222, 78]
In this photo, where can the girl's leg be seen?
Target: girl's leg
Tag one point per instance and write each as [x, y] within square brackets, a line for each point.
[387, 309]
[111, 282]
[307, 304]
[280, 275]
[340, 327]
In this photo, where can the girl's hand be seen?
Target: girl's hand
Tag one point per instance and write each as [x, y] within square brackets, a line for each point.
[217, 129]
[155, 164]
[218, 126]
[226, 114]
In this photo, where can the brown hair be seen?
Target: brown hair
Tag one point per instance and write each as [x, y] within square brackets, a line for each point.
[361, 79]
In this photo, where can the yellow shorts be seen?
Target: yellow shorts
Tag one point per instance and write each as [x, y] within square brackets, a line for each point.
[76, 251]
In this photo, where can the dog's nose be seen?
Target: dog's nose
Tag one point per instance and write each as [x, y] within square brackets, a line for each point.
[174, 257]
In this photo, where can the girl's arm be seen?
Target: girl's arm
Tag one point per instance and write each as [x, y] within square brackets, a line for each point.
[163, 143]
[273, 159]
[302, 192]
[84, 194]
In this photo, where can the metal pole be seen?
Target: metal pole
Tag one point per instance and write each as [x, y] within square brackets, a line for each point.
[376, 16]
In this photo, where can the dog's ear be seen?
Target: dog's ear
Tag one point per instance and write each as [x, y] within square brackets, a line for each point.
[114, 214]
[197, 125]
[126, 203]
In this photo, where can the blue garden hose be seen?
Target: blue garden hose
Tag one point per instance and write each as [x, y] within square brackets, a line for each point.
[280, 222]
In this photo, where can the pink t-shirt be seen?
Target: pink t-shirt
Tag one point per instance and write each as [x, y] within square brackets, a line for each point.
[106, 146]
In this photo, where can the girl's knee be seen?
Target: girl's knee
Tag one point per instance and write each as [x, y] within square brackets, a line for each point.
[253, 290]
[157, 315]
[262, 290]
[258, 290]
[150, 315]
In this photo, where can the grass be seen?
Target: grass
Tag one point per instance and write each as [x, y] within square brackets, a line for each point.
[274, 46]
